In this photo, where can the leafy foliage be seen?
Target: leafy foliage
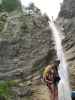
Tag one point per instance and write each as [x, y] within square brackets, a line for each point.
[5, 90]
[9, 5]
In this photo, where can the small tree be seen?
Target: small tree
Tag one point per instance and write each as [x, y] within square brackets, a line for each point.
[33, 9]
[10, 5]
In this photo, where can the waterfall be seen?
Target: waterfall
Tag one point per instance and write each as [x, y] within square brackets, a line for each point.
[63, 88]
[52, 8]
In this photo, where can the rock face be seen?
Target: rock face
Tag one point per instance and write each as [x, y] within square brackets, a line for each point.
[68, 9]
[26, 44]
[26, 47]
[66, 21]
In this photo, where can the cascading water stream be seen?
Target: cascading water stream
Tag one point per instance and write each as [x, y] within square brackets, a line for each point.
[64, 89]
[52, 8]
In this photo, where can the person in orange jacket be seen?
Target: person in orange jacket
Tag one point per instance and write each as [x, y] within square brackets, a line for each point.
[51, 78]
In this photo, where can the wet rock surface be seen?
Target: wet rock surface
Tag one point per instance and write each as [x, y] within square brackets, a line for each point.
[66, 22]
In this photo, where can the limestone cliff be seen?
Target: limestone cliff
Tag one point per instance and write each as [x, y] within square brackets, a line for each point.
[26, 47]
[26, 43]
[66, 21]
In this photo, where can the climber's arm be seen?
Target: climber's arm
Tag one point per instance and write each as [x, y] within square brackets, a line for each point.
[46, 80]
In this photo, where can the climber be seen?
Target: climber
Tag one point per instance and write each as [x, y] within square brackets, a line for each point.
[51, 78]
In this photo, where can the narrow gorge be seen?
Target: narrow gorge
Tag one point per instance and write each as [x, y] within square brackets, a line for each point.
[27, 45]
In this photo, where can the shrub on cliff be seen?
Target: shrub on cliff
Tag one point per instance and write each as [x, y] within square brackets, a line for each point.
[9, 5]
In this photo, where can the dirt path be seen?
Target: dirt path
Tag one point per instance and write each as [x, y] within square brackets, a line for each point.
[40, 92]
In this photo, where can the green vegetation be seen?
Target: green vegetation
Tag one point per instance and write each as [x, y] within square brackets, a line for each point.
[28, 98]
[3, 19]
[5, 88]
[9, 5]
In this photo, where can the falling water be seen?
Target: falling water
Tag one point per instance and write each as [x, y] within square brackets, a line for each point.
[52, 8]
[64, 89]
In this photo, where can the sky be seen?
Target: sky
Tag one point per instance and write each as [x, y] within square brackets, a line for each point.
[50, 7]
